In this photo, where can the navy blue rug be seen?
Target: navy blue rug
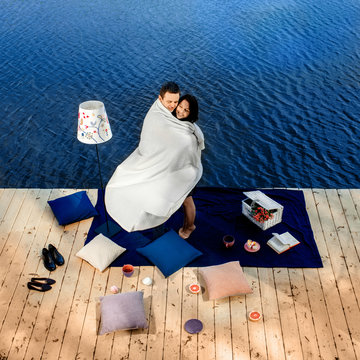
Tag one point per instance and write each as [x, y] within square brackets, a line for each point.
[218, 213]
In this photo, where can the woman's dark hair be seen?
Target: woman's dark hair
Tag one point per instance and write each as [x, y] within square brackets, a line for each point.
[194, 108]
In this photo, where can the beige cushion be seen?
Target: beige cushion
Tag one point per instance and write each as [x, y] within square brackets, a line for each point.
[225, 280]
[100, 252]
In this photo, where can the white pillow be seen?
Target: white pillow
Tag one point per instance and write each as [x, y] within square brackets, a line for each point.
[100, 252]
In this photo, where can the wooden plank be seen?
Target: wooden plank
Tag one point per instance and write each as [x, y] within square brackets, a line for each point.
[10, 204]
[189, 342]
[92, 319]
[314, 287]
[350, 200]
[10, 216]
[325, 216]
[355, 194]
[122, 338]
[42, 323]
[5, 201]
[206, 314]
[273, 334]
[139, 337]
[68, 279]
[350, 240]
[239, 328]
[24, 263]
[291, 337]
[304, 318]
[311, 209]
[257, 339]
[33, 266]
[223, 341]
[60, 299]
[346, 269]
[31, 306]
[319, 313]
[173, 316]
[104, 342]
[157, 317]
[57, 312]
[334, 305]
[14, 234]
[75, 324]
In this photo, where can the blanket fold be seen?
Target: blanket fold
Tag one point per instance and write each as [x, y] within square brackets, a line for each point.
[153, 182]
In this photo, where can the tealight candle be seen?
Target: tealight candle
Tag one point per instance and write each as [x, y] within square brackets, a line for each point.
[114, 289]
[147, 281]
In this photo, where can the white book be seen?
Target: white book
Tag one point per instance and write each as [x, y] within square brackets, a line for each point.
[283, 242]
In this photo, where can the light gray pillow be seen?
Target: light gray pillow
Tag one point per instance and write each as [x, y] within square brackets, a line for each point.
[122, 312]
[100, 252]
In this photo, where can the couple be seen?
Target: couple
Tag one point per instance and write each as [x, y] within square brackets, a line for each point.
[159, 176]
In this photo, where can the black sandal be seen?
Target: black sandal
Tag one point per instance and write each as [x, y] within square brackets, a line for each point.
[47, 281]
[38, 287]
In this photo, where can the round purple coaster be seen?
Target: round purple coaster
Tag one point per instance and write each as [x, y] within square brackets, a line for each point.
[193, 326]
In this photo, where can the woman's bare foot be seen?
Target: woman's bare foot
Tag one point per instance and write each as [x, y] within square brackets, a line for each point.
[185, 233]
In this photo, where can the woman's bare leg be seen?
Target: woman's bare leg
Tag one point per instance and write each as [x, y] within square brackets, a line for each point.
[189, 218]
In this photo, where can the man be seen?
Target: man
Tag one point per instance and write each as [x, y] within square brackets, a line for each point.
[169, 95]
[154, 181]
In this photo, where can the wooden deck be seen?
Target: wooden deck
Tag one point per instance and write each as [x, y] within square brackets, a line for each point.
[308, 313]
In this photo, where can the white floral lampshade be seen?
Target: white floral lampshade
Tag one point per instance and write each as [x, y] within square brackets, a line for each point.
[93, 123]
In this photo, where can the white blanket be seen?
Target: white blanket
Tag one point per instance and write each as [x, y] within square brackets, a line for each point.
[153, 182]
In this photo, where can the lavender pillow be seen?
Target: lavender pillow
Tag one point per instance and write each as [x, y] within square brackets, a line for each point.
[122, 312]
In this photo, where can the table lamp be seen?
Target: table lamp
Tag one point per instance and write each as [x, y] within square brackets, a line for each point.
[94, 128]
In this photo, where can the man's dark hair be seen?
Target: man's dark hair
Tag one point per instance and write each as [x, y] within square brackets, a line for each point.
[193, 107]
[170, 87]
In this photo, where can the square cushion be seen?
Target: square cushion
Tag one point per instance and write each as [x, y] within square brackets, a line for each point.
[122, 312]
[100, 252]
[72, 208]
[169, 252]
[225, 280]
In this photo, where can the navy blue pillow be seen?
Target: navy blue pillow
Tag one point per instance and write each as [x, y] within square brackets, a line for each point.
[169, 253]
[72, 208]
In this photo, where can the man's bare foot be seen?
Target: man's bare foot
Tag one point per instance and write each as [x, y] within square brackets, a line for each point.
[185, 233]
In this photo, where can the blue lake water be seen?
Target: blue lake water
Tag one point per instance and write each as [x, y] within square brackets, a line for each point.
[278, 84]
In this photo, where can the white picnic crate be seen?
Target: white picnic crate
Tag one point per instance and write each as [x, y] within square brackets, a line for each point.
[257, 197]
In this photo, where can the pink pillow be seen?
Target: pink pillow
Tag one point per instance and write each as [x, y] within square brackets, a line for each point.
[225, 280]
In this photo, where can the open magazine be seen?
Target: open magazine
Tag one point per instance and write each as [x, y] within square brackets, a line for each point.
[282, 242]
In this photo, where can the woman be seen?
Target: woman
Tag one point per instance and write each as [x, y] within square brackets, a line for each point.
[187, 110]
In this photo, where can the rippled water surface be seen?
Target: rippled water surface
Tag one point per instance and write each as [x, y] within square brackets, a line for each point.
[277, 83]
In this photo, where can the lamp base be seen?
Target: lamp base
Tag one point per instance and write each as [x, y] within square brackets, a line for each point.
[113, 229]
